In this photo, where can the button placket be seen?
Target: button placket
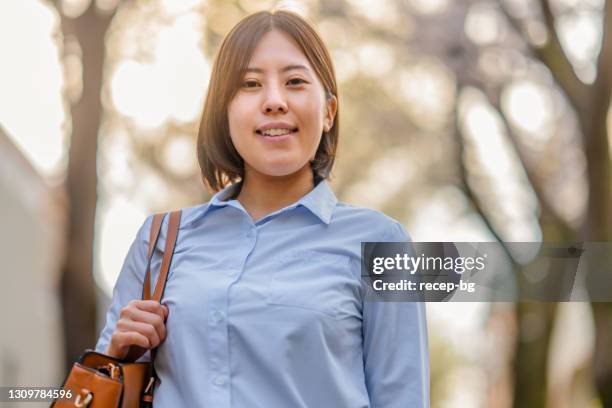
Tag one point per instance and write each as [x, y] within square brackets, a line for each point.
[216, 317]
[220, 380]
[218, 336]
[218, 344]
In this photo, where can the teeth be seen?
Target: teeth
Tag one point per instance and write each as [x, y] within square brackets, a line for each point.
[276, 132]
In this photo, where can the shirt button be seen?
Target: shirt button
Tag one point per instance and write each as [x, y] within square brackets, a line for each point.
[251, 233]
[216, 316]
[220, 380]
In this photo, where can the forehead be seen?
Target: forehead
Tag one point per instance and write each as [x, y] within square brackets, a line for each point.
[277, 47]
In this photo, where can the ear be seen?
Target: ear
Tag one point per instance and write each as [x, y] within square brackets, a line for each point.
[330, 113]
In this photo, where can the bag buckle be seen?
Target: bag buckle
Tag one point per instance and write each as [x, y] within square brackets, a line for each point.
[80, 402]
[111, 369]
[149, 385]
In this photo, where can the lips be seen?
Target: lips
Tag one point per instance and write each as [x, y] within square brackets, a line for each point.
[276, 132]
[276, 129]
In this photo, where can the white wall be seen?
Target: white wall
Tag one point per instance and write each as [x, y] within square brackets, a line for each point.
[31, 248]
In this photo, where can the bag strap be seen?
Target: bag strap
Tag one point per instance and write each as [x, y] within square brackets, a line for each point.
[171, 236]
[136, 352]
[153, 237]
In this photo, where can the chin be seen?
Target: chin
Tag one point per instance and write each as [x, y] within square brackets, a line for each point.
[280, 169]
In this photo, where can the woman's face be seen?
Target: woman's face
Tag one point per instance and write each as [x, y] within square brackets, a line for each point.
[277, 116]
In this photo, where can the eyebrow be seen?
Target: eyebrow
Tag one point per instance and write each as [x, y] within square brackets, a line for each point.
[285, 69]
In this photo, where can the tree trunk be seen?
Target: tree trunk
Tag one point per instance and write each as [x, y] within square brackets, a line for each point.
[597, 225]
[77, 283]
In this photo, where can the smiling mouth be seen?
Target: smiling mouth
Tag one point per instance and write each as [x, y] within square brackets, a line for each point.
[276, 132]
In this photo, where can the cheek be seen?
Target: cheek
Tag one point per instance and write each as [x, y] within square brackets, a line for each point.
[235, 117]
[312, 112]
[233, 112]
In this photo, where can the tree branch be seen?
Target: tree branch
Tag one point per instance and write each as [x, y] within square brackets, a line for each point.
[532, 178]
[473, 198]
[552, 55]
[604, 61]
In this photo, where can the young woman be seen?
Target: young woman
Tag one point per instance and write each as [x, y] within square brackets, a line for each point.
[264, 304]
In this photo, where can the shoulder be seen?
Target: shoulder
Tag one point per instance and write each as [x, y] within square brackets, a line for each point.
[381, 227]
[188, 216]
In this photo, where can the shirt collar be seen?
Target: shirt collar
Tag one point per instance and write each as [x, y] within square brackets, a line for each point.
[221, 198]
[320, 201]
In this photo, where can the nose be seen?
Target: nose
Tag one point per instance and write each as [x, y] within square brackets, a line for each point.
[275, 101]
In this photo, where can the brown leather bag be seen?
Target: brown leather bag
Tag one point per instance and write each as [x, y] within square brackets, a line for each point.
[101, 381]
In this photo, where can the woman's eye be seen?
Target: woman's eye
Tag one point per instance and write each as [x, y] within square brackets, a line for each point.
[296, 81]
[253, 84]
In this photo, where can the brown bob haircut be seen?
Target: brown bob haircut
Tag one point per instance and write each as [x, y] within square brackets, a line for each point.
[219, 161]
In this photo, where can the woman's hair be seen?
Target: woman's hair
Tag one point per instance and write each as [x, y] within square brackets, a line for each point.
[219, 161]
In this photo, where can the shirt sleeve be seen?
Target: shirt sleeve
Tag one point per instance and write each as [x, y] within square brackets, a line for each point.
[396, 355]
[129, 283]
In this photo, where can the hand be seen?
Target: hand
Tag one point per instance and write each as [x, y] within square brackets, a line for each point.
[141, 323]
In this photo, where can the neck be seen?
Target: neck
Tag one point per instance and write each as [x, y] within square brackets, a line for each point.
[262, 194]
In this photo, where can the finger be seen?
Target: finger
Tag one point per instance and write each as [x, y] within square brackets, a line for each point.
[166, 311]
[151, 306]
[144, 329]
[125, 339]
[152, 319]
[136, 306]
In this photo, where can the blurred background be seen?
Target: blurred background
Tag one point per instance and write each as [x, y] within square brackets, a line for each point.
[467, 120]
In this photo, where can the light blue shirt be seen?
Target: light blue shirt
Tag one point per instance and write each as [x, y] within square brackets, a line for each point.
[271, 314]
